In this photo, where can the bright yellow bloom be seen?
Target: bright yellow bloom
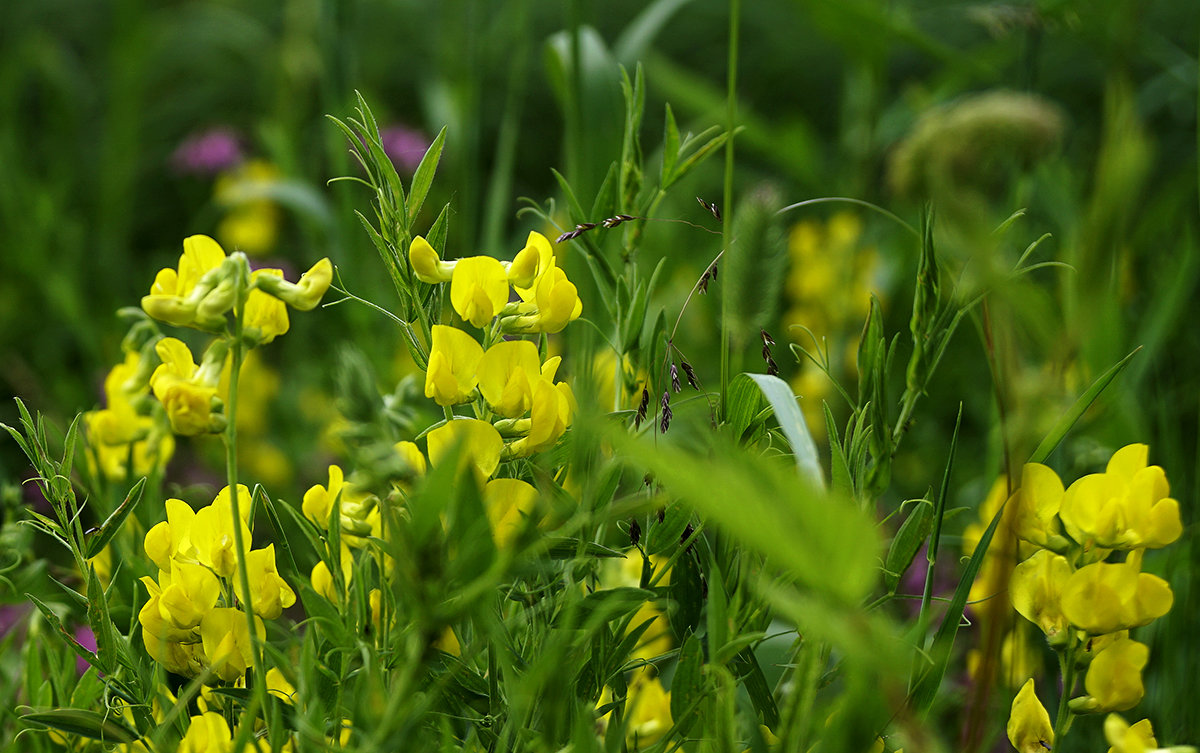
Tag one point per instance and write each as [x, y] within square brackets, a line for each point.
[207, 733]
[176, 295]
[525, 265]
[1107, 597]
[189, 592]
[266, 316]
[1036, 593]
[1037, 503]
[322, 578]
[426, 263]
[550, 415]
[506, 374]
[269, 592]
[170, 537]
[452, 373]
[554, 304]
[279, 686]
[303, 295]
[412, 457]
[479, 289]
[1124, 738]
[1114, 678]
[1126, 507]
[480, 445]
[111, 430]
[212, 535]
[227, 645]
[510, 503]
[1029, 728]
[359, 509]
[187, 391]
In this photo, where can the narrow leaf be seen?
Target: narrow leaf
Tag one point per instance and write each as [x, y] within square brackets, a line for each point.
[791, 420]
[98, 540]
[103, 727]
[423, 177]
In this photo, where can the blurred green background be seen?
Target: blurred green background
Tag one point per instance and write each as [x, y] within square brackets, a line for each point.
[1083, 114]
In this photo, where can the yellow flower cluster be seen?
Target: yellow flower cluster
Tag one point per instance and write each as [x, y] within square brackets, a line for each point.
[1084, 604]
[194, 621]
[131, 426]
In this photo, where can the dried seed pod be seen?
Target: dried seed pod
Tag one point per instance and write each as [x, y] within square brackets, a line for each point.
[691, 374]
[766, 352]
[772, 367]
[766, 337]
[665, 422]
[675, 379]
[635, 532]
[687, 534]
[642, 408]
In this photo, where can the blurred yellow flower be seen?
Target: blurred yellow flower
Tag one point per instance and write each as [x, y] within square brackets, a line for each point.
[227, 646]
[510, 505]
[1029, 728]
[1138, 738]
[1036, 593]
[251, 223]
[187, 391]
[480, 444]
[1106, 597]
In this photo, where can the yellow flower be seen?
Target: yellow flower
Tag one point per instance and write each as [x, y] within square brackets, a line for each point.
[212, 535]
[1037, 502]
[1126, 507]
[303, 295]
[111, 430]
[550, 415]
[170, 537]
[510, 503]
[269, 592]
[649, 711]
[452, 373]
[1029, 728]
[187, 391]
[480, 445]
[279, 686]
[506, 373]
[1107, 597]
[426, 263]
[207, 733]
[176, 294]
[189, 592]
[554, 303]
[322, 578]
[1114, 678]
[525, 265]
[1124, 738]
[359, 509]
[1036, 592]
[479, 289]
[266, 316]
[227, 644]
[411, 454]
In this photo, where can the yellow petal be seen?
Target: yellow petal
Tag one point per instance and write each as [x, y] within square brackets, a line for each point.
[1029, 728]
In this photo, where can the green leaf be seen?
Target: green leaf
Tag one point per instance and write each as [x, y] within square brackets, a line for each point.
[744, 405]
[1068, 419]
[839, 465]
[665, 535]
[927, 685]
[103, 727]
[747, 669]
[423, 177]
[102, 535]
[791, 420]
[62, 632]
[604, 606]
[688, 687]
[566, 548]
[687, 590]
[907, 542]
[100, 621]
[670, 147]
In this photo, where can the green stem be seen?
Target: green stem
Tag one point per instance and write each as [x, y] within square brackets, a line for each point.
[237, 346]
[1066, 665]
[735, 9]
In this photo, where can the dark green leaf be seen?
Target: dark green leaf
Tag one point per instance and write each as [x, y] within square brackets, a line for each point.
[791, 420]
[423, 177]
[1081, 405]
[907, 542]
[83, 723]
[98, 540]
[688, 687]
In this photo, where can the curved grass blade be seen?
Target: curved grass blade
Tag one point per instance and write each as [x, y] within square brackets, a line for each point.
[1081, 405]
[84, 723]
[791, 420]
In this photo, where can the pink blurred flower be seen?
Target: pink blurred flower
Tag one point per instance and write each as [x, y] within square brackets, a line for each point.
[208, 152]
[404, 146]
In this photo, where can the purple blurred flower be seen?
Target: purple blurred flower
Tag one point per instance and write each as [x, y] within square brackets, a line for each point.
[404, 146]
[208, 152]
[87, 639]
[12, 617]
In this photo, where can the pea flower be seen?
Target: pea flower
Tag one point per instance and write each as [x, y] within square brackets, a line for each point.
[1114, 679]
[480, 444]
[269, 592]
[478, 289]
[226, 638]
[1106, 597]
[1036, 592]
[1124, 738]
[212, 535]
[510, 503]
[359, 509]
[452, 372]
[322, 578]
[113, 429]
[207, 733]
[1126, 507]
[553, 303]
[649, 710]
[187, 391]
[171, 537]
[177, 294]
[506, 374]
[429, 267]
[1029, 728]
[306, 293]
[1037, 502]
[551, 413]
[266, 316]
